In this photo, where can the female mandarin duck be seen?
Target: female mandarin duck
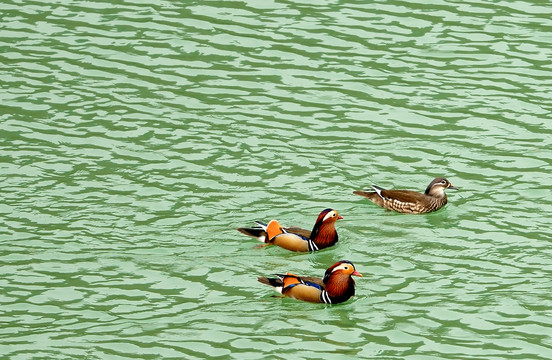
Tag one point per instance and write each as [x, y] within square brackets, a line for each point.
[411, 202]
[336, 287]
[323, 233]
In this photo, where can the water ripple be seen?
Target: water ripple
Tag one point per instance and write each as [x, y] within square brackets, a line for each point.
[138, 137]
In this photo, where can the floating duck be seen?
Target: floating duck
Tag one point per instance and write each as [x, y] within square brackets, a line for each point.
[410, 202]
[323, 233]
[336, 287]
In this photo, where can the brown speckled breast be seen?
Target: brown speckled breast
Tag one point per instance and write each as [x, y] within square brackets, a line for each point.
[428, 204]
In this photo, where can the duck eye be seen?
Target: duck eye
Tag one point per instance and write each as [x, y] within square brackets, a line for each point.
[443, 182]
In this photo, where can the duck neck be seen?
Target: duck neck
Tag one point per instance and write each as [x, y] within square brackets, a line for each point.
[436, 192]
[340, 287]
[324, 235]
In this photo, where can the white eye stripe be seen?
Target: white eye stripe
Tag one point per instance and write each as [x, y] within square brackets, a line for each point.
[341, 267]
[325, 297]
[329, 215]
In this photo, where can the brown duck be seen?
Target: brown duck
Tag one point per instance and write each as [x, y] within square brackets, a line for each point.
[336, 287]
[410, 202]
[323, 233]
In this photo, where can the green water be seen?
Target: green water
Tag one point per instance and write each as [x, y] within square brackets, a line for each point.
[137, 136]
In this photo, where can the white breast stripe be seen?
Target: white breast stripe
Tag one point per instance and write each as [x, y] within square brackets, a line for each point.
[312, 246]
[325, 297]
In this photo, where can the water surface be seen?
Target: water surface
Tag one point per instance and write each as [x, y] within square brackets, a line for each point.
[137, 136]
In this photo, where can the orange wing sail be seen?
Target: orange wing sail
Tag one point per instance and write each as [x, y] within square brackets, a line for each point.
[273, 228]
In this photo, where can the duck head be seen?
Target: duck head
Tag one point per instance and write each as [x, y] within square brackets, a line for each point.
[324, 233]
[343, 268]
[339, 284]
[437, 187]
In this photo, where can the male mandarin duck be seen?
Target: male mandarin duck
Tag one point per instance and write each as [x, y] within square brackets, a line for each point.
[323, 233]
[336, 287]
[410, 202]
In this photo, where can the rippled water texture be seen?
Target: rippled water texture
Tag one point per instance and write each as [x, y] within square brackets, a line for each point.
[137, 136]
